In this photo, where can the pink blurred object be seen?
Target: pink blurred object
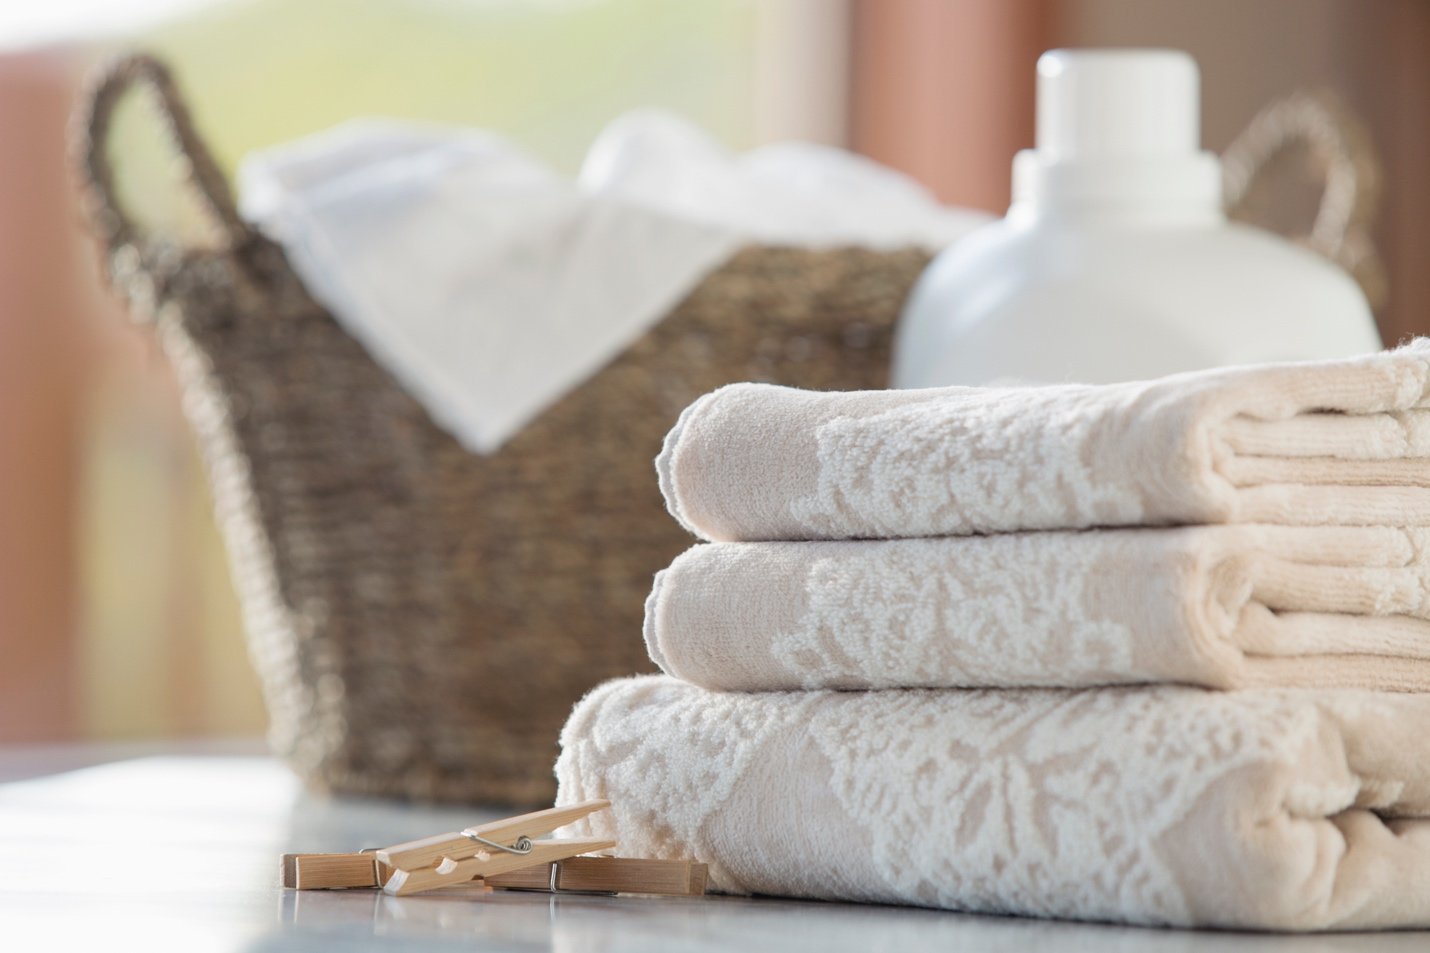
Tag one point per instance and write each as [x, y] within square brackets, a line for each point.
[41, 367]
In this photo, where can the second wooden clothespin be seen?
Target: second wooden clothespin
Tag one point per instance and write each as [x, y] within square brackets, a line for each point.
[487, 850]
[608, 875]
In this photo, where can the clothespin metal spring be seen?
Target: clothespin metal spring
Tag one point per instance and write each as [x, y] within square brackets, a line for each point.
[522, 845]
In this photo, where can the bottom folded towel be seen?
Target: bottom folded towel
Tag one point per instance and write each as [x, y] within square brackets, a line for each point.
[1286, 810]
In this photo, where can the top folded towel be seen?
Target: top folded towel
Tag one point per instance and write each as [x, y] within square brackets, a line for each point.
[1322, 443]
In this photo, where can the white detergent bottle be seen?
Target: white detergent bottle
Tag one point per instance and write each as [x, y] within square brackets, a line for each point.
[1115, 261]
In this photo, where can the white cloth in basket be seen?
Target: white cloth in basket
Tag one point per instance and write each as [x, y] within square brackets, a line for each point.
[490, 286]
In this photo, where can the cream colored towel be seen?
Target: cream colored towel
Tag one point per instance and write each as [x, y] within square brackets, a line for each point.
[1165, 805]
[1221, 606]
[1345, 442]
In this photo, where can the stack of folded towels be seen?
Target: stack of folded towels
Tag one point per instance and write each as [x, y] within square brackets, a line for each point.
[1054, 592]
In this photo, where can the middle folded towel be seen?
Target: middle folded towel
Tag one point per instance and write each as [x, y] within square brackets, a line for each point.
[1219, 606]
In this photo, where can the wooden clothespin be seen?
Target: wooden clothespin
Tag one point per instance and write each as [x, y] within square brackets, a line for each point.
[609, 875]
[500, 855]
[487, 850]
[606, 875]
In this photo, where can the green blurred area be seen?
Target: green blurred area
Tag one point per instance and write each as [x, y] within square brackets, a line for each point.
[548, 73]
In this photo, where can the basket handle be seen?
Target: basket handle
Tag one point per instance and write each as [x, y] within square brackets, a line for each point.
[1342, 156]
[111, 219]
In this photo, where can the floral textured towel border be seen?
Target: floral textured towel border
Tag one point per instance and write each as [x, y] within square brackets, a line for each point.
[1220, 606]
[1336, 442]
[1285, 810]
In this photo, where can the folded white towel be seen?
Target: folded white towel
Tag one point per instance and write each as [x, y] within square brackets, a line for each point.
[1334, 442]
[1270, 810]
[1221, 606]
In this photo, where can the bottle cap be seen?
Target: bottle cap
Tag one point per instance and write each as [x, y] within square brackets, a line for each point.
[1105, 103]
[1117, 125]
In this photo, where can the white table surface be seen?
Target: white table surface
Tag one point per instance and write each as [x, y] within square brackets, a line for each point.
[180, 852]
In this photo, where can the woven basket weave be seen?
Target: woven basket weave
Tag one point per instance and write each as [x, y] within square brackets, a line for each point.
[422, 619]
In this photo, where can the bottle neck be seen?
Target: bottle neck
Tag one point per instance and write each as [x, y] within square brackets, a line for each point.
[1173, 190]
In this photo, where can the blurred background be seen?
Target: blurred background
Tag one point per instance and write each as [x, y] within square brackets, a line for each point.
[117, 620]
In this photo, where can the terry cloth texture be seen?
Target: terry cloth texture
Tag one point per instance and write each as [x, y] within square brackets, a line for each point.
[1279, 809]
[1335, 442]
[1219, 606]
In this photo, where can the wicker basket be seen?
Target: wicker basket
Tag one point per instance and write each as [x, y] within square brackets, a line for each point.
[422, 619]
